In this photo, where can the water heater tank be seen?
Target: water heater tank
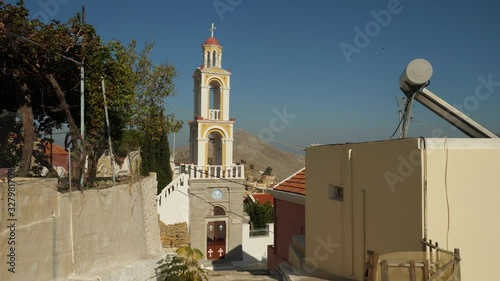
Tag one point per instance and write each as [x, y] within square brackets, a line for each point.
[416, 74]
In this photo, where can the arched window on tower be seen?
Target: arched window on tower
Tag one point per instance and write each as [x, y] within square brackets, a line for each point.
[215, 101]
[215, 150]
[214, 55]
[209, 61]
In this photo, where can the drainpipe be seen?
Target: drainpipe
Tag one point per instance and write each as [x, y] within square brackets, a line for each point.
[353, 241]
[423, 147]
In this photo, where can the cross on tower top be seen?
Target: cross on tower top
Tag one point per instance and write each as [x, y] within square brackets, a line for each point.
[212, 30]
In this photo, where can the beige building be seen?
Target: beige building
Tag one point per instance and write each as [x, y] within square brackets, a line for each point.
[389, 195]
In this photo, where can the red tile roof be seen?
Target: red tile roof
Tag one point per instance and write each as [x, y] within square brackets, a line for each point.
[212, 40]
[59, 155]
[294, 184]
[263, 198]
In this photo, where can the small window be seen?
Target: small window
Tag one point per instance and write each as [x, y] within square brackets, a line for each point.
[217, 211]
[336, 192]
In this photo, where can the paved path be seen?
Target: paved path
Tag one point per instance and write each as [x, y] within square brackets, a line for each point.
[223, 275]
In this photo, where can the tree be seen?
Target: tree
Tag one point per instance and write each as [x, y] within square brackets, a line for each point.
[40, 79]
[260, 214]
[153, 85]
[41, 74]
[267, 171]
[186, 266]
[155, 154]
[10, 138]
[16, 82]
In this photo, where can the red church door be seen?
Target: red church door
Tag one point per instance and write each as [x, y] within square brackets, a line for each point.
[216, 240]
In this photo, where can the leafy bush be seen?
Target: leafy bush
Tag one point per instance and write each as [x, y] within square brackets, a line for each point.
[260, 214]
[267, 171]
[185, 266]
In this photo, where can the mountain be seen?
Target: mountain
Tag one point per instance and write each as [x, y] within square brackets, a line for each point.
[250, 149]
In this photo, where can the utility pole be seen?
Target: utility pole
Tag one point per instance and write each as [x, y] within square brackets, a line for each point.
[407, 116]
[401, 106]
[82, 101]
[82, 87]
[109, 132]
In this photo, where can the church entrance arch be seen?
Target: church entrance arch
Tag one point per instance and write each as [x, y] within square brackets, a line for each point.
[216, 235]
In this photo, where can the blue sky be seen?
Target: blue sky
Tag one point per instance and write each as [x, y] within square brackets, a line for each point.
[288, 54]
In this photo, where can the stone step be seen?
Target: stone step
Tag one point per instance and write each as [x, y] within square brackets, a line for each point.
[221, 264]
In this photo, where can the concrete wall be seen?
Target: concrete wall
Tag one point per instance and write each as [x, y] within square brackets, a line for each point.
[255, 248]
[464, 174]
[109, 227]
[173, 201]
[375, 214]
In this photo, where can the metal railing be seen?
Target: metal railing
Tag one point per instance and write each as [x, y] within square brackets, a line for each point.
[260, 232]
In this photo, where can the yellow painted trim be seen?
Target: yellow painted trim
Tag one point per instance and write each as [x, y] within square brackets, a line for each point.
[216, 78]
[208, 105]
[223, 154]
[221, 104]
[206, 153]
[210, 130]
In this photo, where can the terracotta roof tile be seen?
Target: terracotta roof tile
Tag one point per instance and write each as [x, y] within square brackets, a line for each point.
[59, 155]
[263, 198]
[294, 184]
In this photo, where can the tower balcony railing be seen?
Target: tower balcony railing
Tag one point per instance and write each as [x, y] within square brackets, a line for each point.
[213, 171]
[214, 114]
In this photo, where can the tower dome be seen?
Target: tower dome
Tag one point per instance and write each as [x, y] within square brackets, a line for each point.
[212, 41]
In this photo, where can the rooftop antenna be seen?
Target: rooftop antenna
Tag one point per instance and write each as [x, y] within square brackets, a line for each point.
[413, 82]
[401, 106]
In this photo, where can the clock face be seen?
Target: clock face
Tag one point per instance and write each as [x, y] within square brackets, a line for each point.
[217, 194]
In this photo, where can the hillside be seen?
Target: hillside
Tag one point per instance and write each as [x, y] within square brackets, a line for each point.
[252, 150]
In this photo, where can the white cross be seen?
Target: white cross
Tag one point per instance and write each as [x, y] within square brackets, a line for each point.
[221, 227]
[212, 30]
[211, 227]
[220, 252]
[210, 253]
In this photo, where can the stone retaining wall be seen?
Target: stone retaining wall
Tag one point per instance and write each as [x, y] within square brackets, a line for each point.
[56, 235]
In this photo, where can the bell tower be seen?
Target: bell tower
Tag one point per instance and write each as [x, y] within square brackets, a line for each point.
[216, 184]
[211, 131]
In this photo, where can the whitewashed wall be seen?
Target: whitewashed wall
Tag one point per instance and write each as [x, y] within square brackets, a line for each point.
[255, 248]
[173, 201]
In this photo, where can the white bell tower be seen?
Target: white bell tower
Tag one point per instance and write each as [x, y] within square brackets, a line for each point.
[211, 131]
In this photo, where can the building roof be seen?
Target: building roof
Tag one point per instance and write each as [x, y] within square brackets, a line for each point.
[59, 155]
[294, 184]
[212, 41]
[263, 198]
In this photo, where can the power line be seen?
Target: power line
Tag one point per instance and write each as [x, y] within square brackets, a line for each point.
[211, 203]
[17, 36]
[271, 140]
[206, 173]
